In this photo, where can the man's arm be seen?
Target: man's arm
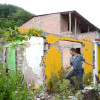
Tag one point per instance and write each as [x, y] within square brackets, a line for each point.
[89, 63]
[82, 58]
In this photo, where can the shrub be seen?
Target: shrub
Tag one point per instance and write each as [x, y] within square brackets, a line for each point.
[88, 79]
[60, 86]
[53, 83]
[14, 88]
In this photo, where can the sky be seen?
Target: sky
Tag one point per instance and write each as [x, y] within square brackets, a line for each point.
[90, 9]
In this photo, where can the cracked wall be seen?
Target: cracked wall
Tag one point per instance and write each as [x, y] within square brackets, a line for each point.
[87, 53]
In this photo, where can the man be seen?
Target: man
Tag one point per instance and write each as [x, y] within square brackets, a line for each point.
[76, 61]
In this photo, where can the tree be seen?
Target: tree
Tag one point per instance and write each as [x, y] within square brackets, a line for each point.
[5, 23]
[11, 16]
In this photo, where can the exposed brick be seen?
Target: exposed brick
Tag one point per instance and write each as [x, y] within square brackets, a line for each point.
[49, 23]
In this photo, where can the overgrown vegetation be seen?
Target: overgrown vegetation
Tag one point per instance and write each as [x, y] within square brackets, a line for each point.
[12, 35]
[14, 88]
[88, 78]
[96, 87]
[62, 87]
[55, 81]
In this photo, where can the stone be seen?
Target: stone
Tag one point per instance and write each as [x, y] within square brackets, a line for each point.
[38, 99]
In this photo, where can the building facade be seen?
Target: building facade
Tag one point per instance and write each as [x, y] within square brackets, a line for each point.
[65, 23]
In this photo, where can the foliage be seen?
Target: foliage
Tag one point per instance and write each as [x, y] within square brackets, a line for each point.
[53, 83]
[79, 96]
[13, 88]
[63, 90]
[9, 86]
[96, 87]
[60, 85]
[88, 79]
[5, 23]
[13, 35]
[30, 32]
[11, 16]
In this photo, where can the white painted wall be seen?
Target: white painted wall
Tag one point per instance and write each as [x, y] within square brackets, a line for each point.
[33, 55]
[95, 71]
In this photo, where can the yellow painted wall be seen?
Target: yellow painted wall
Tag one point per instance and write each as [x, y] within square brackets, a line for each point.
[99, 61]
[53, 62]
[87, 51]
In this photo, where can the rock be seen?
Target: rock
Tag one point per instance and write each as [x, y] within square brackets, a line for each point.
[38, 99]
[71, 97]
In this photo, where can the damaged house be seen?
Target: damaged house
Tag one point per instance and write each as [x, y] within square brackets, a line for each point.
[51, 51]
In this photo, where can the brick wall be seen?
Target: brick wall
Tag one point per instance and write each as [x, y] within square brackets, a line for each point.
[66, 50]
[19, 57]
[48, 23]
[64, 25]
[91, 36]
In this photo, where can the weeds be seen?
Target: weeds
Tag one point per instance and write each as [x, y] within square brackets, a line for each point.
[11, 87]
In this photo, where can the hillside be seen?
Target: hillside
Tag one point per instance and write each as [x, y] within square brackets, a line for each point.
[11, 16]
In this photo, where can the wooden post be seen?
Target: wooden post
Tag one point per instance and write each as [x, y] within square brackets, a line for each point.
[75, 25]
[70, 21]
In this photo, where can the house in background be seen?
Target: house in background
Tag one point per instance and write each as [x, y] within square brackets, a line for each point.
[69, 23]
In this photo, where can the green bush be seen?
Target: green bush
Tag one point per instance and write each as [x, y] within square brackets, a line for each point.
[13, 88]
[60, 86]
[88, 79]
[54, 81]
